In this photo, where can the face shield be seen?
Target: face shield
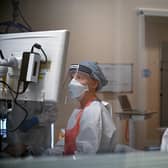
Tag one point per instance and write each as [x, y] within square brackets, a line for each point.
[85, 70]
[76, 82]
[80, 70]
[90, 69]
[75, 71]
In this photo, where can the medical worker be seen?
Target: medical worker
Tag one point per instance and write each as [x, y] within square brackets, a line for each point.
[164, 141]
[90, 128]
[32, 137]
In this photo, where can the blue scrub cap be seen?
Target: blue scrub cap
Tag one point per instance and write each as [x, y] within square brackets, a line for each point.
[93, 70]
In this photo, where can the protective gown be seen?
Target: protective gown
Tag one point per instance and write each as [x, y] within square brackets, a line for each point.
[97, 129]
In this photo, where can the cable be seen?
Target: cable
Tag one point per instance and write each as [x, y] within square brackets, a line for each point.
[38, 46]
[24, 20]
[44, 55]
[1, 55]
[17, 12]
[25, 117]
[16, 102]
[15, 5]
[9, 24]
[21, 107]
[26, 113]
[13, 23]
[24, 87]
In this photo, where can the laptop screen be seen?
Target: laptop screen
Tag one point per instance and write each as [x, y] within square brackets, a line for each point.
[124, 102]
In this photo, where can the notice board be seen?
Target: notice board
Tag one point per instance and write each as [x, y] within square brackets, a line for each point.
[119, 76]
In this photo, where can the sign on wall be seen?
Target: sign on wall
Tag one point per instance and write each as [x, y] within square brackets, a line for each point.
[119, 76]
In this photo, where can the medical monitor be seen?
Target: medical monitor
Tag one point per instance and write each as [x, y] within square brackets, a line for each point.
[49, 81]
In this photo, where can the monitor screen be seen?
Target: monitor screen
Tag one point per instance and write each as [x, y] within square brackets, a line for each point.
[50, 74]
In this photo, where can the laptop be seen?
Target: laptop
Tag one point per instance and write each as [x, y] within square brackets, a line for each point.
[124, 102]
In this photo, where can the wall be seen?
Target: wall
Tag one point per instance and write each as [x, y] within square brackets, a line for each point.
[102, 30]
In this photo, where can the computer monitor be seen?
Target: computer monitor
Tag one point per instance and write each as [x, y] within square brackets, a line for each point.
[54, 44]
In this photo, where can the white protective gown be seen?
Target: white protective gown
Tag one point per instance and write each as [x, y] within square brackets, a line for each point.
[164, 142]
[97, 129]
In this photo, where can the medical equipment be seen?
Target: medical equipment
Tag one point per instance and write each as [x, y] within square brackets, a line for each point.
[54, 43]
[31, 68]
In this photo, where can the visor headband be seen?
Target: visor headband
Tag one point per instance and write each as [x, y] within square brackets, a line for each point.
[82, 68]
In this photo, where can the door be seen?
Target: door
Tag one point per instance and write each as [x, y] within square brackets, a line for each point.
[164, 86]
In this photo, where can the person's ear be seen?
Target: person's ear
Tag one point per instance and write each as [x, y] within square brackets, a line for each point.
[94, 84]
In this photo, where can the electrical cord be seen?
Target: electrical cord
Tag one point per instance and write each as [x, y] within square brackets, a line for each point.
[24, 109]
[21, 107]
[24, 88]
[44, 55]
[17, 12]
[1, 55]
[9, 24]
[25, 117]
[38, 46]
[24, 20]
[16, 102]
[13, 23]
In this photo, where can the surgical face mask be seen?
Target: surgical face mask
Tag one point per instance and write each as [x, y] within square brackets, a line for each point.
[76, 89]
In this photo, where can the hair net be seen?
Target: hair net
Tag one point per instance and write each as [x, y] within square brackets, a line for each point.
[92, 69]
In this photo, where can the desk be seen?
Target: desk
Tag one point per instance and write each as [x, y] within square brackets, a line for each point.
[133, 116]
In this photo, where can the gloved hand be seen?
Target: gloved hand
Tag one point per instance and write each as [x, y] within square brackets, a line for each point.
[28, 124]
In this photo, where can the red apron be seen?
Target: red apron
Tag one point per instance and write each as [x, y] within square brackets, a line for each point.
[71, 134]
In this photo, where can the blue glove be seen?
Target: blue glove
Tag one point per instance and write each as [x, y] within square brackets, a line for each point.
[28, 124]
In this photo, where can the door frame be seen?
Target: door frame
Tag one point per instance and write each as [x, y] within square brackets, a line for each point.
[142, 53]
